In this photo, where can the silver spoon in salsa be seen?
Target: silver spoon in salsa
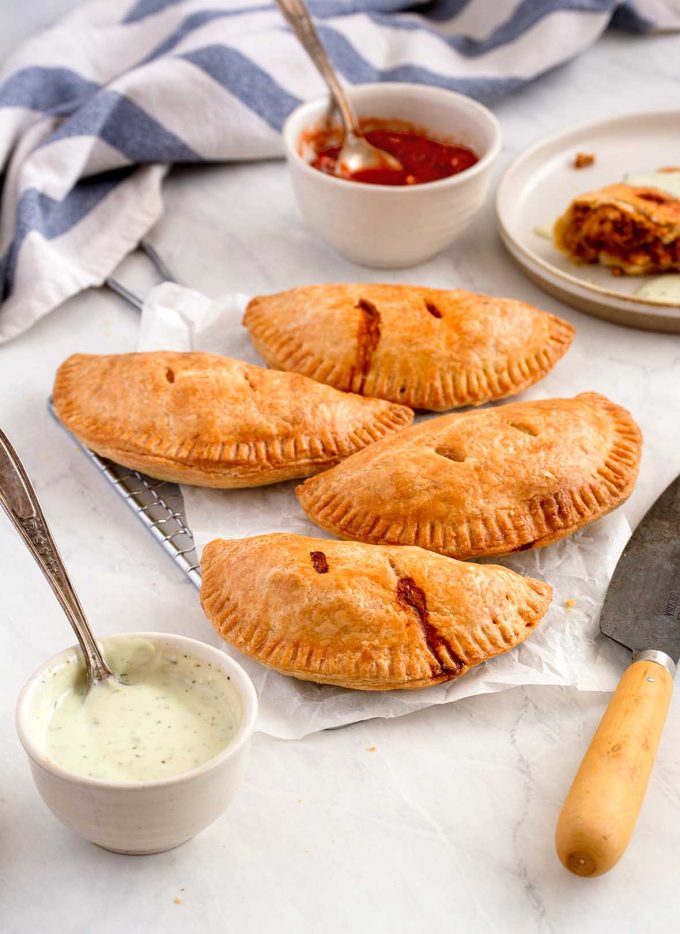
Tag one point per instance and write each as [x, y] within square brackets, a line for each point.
[356, 154]
[18, 499]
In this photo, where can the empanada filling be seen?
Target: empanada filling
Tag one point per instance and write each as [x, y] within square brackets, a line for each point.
[608, 233]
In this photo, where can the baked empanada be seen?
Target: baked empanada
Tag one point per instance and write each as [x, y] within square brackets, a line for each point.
[364, 616]
[484, 482]
[427, 348]
[211, 421]
[633, 228]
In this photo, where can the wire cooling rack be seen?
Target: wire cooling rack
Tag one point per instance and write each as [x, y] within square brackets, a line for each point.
[157, 504]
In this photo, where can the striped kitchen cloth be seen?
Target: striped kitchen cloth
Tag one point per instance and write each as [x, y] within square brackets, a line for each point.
[94, 110]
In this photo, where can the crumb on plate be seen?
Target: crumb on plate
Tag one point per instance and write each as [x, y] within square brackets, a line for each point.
[570, 603]
[371, 749]
[583, 159]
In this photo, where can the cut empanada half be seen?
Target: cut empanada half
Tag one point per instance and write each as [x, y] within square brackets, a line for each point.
[484, 482]
[426, 348]
[211, 421]
[367, 617]
[632, 228]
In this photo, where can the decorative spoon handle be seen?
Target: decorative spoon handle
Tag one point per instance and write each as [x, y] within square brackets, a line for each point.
[297, 16]
[19, 500]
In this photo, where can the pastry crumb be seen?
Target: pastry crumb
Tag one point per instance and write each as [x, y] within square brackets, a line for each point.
[570, 603]
[371, 749]
[583, 159]
[178, 900]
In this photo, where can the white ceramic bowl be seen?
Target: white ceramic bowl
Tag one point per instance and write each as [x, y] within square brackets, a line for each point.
[151, 816]
[393, 226]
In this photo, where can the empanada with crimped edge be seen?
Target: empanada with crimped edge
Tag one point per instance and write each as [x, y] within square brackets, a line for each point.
[208, 420]
[426, 348]
[484, 482]
[360, 616]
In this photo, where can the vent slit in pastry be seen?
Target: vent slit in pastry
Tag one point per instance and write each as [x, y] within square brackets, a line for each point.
[428, 348]
[368, 335]
[486, 482]
[527, 429]
[450, 454]
[319, 562]
[208, 420]
[412, 597]
[367, 624]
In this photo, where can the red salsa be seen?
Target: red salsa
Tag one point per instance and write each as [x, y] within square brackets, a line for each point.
[423, 159]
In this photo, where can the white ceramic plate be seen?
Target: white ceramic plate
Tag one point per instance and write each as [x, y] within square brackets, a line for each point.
[538, 187]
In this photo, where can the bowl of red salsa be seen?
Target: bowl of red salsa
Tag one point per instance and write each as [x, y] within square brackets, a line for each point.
[446, 143]
[423, 158]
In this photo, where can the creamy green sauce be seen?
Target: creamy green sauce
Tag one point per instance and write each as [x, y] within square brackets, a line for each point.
[544, 230]
[666, 181]
[168, 713]
[664, 289]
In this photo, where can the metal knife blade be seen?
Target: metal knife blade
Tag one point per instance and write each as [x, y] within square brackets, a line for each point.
[642, 607]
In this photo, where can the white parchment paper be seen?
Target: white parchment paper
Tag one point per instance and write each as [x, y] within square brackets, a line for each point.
[564, 650]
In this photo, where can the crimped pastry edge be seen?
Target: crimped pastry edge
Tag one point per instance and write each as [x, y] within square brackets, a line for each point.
[220, 465]
[480, 538]
[223, 615]
[470, 386]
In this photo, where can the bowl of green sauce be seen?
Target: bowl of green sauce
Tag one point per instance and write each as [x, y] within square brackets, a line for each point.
[143, 762]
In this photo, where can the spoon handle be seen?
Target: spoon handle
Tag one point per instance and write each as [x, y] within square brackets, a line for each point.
[297, 16]
[19, 500]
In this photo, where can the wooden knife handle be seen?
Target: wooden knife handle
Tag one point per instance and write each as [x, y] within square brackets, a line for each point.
[604, 801]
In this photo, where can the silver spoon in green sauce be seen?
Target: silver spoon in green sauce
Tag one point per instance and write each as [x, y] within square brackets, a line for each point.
[19, 500]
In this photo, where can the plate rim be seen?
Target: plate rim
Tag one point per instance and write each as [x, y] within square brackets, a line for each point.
[570, 280]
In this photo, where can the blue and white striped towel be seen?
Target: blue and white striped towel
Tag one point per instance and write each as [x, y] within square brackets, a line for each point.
[94, 110]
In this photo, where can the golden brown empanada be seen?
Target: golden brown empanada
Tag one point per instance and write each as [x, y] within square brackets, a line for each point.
[484, 482]
[364, 616]
[633, 228]
[211, 421]
[427, 348]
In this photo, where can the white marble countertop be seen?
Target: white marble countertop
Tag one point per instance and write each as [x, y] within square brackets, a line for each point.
[448, 824]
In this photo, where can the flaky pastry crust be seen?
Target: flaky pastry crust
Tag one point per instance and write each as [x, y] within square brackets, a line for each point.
[208, 420]
[427, 348]
[360, 616]
[484, 482]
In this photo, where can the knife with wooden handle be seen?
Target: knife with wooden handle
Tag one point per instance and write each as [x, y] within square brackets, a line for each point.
[642, 613]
